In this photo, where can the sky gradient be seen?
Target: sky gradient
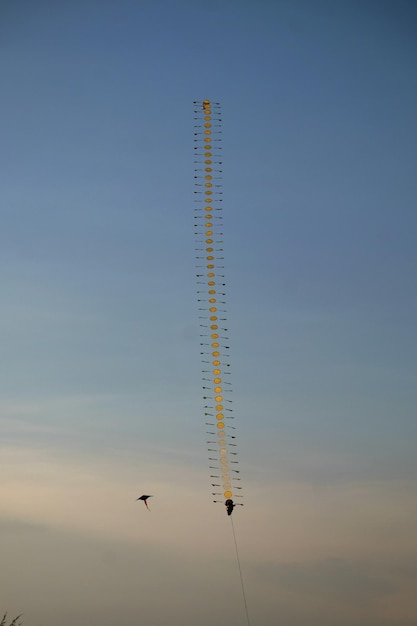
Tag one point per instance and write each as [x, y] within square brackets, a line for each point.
[100, 385]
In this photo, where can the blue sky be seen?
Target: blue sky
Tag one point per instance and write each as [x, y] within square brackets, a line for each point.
[100, 386]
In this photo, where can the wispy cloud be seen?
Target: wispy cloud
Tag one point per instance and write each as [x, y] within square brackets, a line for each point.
[348, 581]
[12, 526]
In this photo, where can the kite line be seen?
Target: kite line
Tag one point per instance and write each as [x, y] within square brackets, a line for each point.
[211, 298]
[240, 574]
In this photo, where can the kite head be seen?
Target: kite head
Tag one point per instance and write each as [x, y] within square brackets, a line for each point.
[229, 504]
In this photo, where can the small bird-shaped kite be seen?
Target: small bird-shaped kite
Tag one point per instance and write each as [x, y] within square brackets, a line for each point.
[144, 498]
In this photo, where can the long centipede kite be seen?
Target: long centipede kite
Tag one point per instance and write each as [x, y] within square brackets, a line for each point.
[211, 294]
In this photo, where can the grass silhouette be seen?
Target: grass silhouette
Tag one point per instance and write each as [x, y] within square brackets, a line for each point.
[12, 623]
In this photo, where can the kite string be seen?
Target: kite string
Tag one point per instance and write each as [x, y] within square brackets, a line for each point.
[240, 573]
